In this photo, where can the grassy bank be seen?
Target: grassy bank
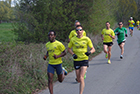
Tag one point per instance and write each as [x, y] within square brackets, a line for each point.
[23, 69]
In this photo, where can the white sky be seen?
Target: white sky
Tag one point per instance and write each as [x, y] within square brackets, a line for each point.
[12, 3]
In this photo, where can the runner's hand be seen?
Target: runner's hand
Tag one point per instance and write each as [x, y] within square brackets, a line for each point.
[118, 33]
[45, 57]
[102, 38]
[74, 56]
[125, 35]
[55, 56]
[88, 53]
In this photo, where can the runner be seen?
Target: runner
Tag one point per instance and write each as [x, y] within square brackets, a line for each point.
[121, 33]
[55, 50]
[73, 32]
[80, 54]
[138, 22]
[131, 24]
[107, 36]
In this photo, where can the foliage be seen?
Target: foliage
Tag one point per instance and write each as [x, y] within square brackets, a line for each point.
[38, 17]
[6, 11]
[18, 68]
[138, 8]
[127, 9]
[101, 12]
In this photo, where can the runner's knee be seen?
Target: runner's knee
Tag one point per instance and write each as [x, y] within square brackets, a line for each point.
[50, 80]
[81, 78]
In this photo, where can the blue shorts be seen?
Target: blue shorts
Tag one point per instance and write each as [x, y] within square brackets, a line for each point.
[131, 28]
[52, 68]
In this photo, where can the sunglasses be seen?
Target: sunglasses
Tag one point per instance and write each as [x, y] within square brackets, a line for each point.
[120, 24]
[79, 29]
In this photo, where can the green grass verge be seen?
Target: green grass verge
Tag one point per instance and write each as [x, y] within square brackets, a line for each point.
[6, 34]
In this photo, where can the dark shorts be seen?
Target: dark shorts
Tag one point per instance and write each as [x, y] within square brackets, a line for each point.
[108, 44]
[79, 64]
[52, 68]
[121, 42]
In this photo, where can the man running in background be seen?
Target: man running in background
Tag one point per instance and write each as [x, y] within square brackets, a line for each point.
[55, 50]
[131, 24]
[80, 55]
[121, 33]
[138, 22]
[73, 32]
[107, 36]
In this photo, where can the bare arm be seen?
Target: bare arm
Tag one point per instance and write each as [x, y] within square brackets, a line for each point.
[68, 40]
[45, 56]
[70, 51]
[92, 50]
[113, 37]
[102, 37]
[61, 55]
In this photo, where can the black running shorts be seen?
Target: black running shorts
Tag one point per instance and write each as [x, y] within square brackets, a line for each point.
[108, 44]
[78, 64]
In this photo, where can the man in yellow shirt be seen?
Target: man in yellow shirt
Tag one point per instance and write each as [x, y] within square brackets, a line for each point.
[73, 32]
[55, 50]
[131, 24]
[107, 35]
[80, 54]
[138, 22]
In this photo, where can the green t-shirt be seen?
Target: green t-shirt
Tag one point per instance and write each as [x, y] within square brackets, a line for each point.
[55, 48]
[80, 46]
[121, 36]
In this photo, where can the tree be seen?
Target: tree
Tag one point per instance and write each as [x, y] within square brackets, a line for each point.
[100, 12]
[138, 8]
[127, 9]
[6, 12]
[37, 17]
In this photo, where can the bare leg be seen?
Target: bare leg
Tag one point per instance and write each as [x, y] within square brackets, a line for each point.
[77, 75]
[122, 48]
[131, 32]
[82, 83]
[61, 77]
[109, 52]
[50, 82]
[105, 49]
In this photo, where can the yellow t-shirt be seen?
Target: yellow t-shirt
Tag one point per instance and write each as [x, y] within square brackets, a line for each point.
[138, 22]
[131, 22]
[55, 48]
[73, 33]
[105, 33]
[79, 46]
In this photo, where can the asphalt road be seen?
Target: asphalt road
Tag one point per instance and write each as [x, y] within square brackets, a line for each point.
[119, 77]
